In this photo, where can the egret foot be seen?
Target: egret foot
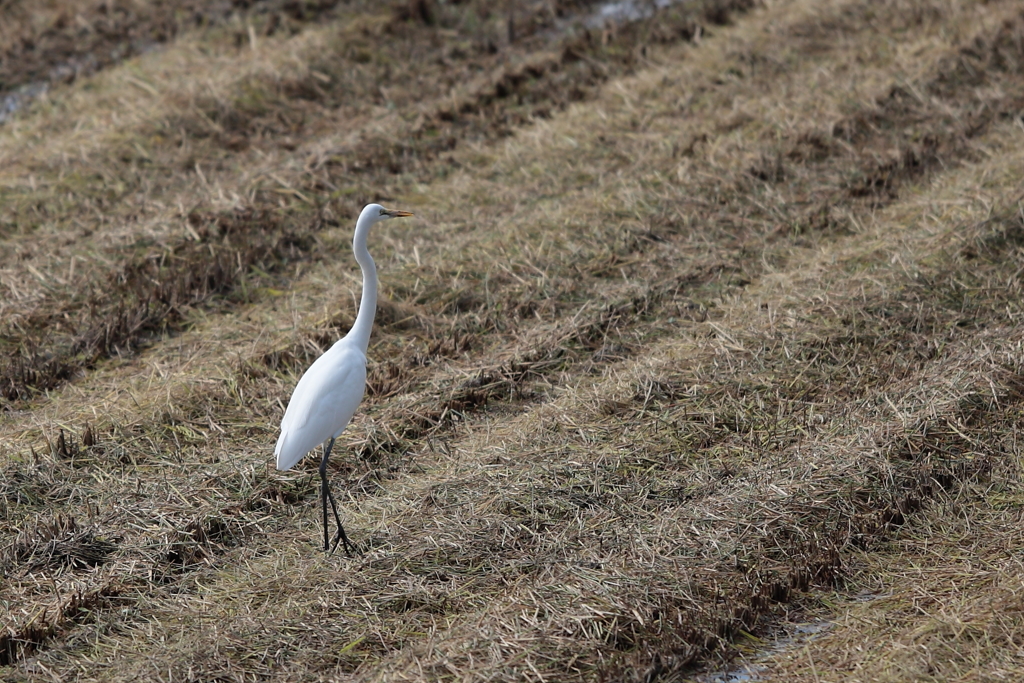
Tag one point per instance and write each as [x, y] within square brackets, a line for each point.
[326, 495]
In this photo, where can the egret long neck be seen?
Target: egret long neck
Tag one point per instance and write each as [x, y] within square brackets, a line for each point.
[360, 332]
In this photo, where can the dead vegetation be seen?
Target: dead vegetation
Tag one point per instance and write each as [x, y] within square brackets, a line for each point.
[60, 42]
[270, 112]
[145, 297]
[710, 324]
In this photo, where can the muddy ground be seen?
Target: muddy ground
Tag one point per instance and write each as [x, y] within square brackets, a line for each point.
[707, 332]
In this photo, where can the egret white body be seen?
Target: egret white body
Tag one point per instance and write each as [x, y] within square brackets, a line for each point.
[329, 392]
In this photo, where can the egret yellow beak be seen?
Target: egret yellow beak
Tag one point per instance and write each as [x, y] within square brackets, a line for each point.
[397, 214]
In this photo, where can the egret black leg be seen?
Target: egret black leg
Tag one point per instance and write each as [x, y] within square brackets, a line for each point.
[341, 535]
[324, 489]
[326, 495]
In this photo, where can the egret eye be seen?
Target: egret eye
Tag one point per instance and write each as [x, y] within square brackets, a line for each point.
[383, 211]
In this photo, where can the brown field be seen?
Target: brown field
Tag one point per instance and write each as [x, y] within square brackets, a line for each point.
[702, 359]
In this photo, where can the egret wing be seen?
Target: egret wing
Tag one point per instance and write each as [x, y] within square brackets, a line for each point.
[322, 404]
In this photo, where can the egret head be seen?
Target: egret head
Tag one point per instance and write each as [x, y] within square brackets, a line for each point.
[371, 213]
[379, 213]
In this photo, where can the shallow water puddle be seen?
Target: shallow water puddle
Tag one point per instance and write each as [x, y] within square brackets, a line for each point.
[12, 102]
[625, 10]
[752, 668]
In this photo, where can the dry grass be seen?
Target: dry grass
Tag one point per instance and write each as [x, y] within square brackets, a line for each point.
[707, 325]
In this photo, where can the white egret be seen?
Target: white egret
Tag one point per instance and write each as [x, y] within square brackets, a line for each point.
[329, 392]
